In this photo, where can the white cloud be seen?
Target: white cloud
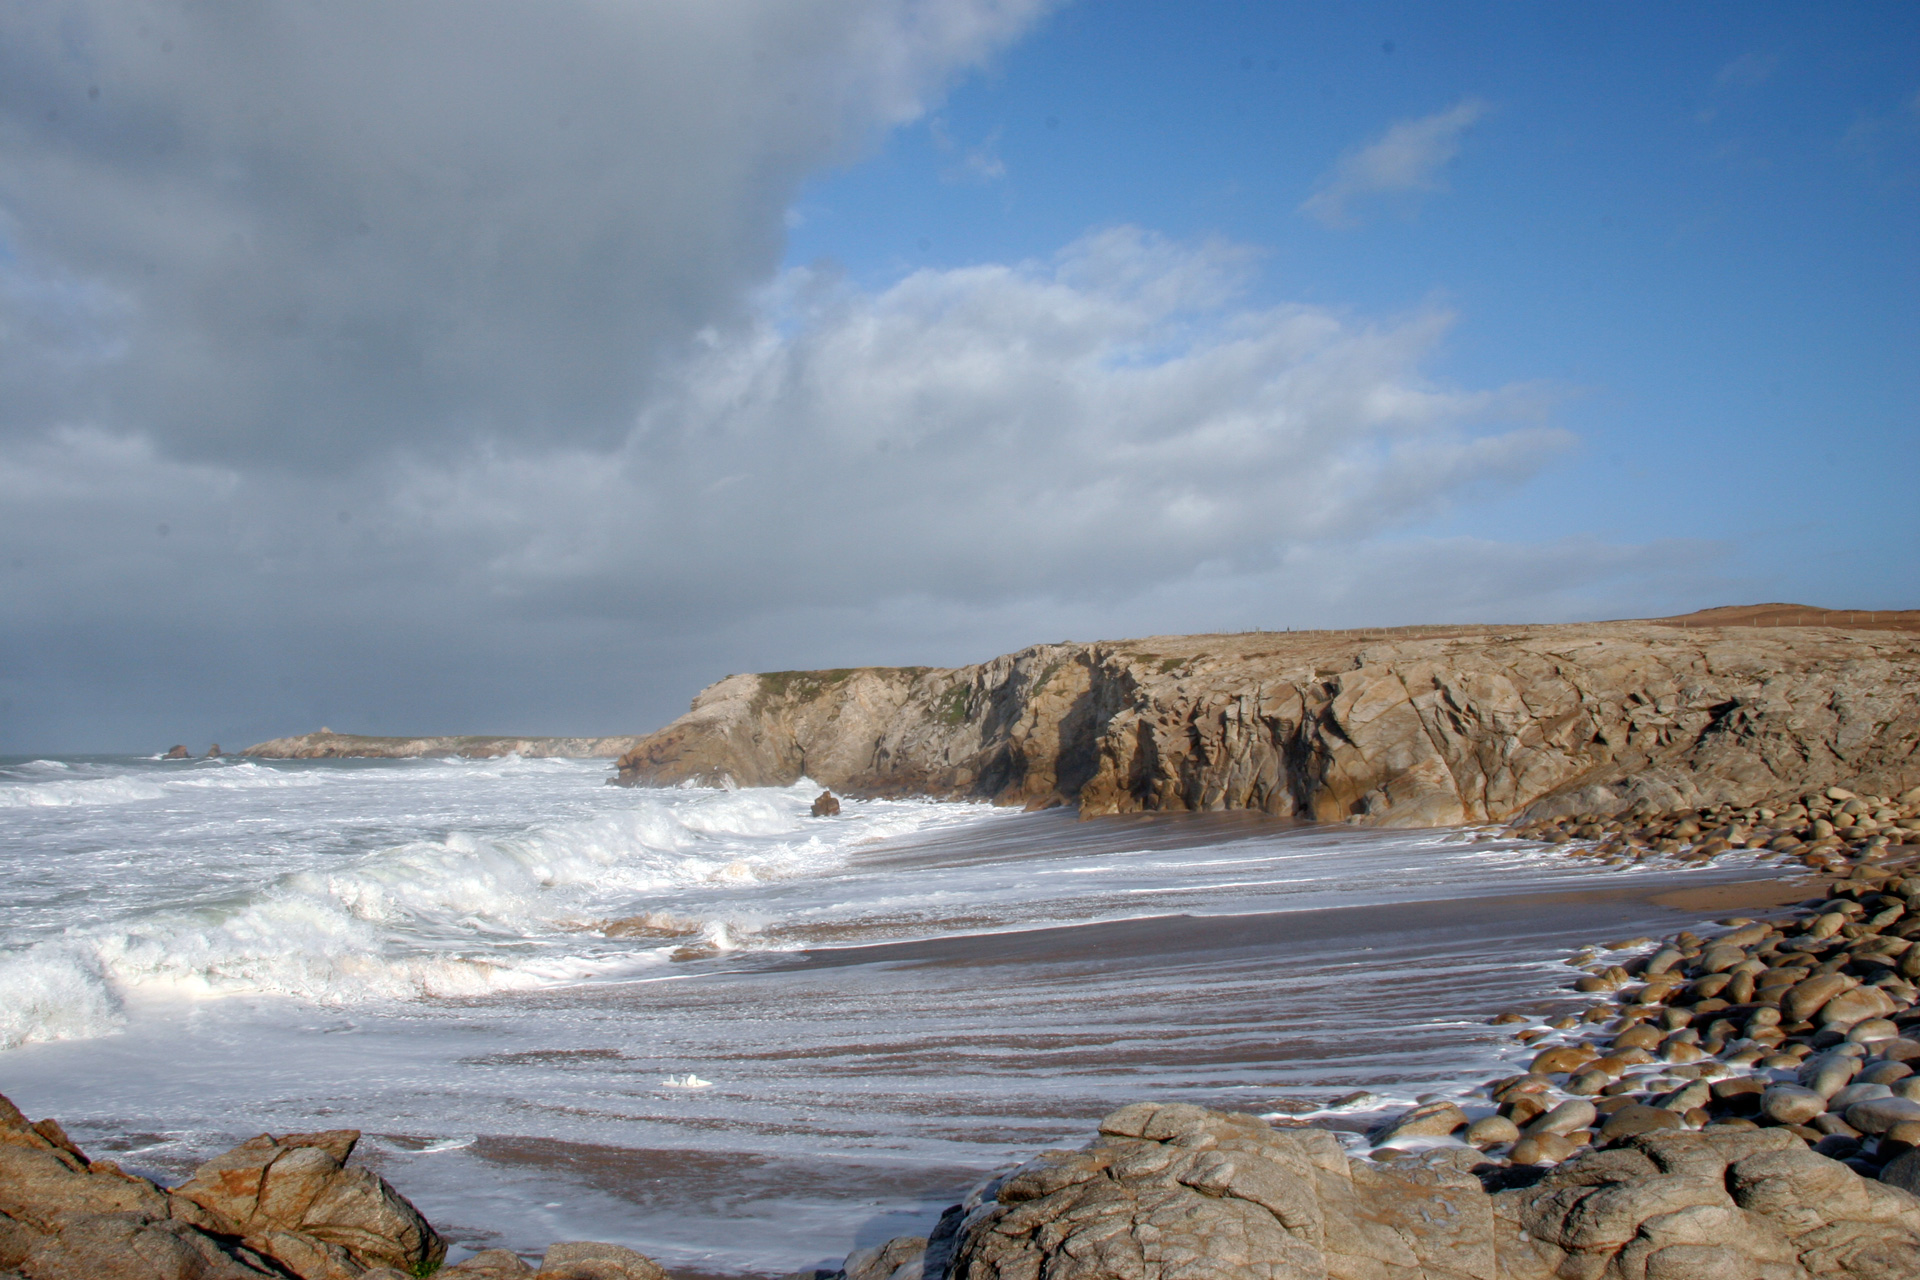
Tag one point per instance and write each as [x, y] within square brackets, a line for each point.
[1096, 423]
[1748, 71]
[1407, 159]
[1102, 423]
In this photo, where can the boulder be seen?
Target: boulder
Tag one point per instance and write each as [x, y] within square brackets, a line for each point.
[296, 1196]
[1807, 996]
[1903, 1172]
[64, 1217]
[1569, 1117]
[1492, 1131]
[826, 805]
[488, 1264]
[903, 1257]
[1791, 1104]
[1636, 1118]
[178, 751]
[1877, 1115]
[1430, 1120]
[1177, 1192]
[590, 1260]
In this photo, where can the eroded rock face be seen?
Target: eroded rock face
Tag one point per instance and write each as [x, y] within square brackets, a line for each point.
[1420, 729]
[294, 1197]
[270, 1207]
[1177, 1192]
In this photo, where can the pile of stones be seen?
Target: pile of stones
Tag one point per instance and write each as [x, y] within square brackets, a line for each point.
[1806, 1023]
[1829, 831]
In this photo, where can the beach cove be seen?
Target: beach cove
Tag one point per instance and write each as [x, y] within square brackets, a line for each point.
[737, 1038]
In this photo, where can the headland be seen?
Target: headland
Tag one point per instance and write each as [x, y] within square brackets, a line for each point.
[325, 744]
[1410, 727]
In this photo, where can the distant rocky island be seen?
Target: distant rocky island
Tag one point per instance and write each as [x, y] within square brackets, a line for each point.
[1405, 727]
[326, 745]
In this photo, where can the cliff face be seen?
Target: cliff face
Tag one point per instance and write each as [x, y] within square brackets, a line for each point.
[326, 744]
[1407, 728]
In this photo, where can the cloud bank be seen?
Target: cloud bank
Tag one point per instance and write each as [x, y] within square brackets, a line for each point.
[429, 369]
[300, 235]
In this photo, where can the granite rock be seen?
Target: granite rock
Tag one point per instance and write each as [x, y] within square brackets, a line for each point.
[1171, 1192]
[1420, 727]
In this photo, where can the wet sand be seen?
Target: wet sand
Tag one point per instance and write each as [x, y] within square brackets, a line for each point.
[893, 1076]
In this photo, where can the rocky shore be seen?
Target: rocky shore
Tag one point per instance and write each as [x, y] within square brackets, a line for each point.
[328, 745]
[1414, 727]
[288, 1206]
[1739, 1101]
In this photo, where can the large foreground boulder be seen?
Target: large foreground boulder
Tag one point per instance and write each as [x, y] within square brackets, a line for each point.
[286, 1207]
[1182, 1193]
[295, 1198]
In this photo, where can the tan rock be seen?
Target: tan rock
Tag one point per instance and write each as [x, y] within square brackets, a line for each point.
[589, 1260]
[1417, 728]
[1804, 999]
[1213, 1195]
[1564, 1058]
[1492, 1131]
[488, 1264]
[1569, 1117]
[1432, 1120]
[292, 1197]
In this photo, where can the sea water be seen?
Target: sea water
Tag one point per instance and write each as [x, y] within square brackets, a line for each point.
[706, 1024]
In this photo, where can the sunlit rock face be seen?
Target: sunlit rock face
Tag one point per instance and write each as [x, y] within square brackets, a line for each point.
[1412, 727]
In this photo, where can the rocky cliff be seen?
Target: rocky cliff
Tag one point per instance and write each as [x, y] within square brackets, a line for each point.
[326, 744]
[1411, 727]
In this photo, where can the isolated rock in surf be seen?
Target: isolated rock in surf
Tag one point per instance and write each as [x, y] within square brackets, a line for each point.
[1420, 727]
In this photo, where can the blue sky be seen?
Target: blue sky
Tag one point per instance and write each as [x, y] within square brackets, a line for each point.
[1696, 223]
[455, 368]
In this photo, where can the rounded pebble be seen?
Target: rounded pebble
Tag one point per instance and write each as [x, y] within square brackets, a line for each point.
[1857, 1093]
[1877, 1115]
[1791, 1104]
[1492, 1131]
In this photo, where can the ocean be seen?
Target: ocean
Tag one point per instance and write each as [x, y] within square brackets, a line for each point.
[707, 1025]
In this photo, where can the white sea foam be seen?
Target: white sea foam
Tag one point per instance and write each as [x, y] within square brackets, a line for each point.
[468, 913]
[54, 992]
[64, 790]
[80, 791]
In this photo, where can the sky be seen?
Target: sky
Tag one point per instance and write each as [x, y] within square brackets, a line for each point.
[481, 367]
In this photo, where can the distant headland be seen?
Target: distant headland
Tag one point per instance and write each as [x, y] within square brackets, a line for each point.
[1399, 727]
[325, 744]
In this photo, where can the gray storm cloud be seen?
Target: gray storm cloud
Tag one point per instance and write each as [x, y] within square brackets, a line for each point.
[428, 368]
[301, 234]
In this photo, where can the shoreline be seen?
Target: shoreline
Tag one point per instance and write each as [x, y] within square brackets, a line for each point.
[1410, 1144]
